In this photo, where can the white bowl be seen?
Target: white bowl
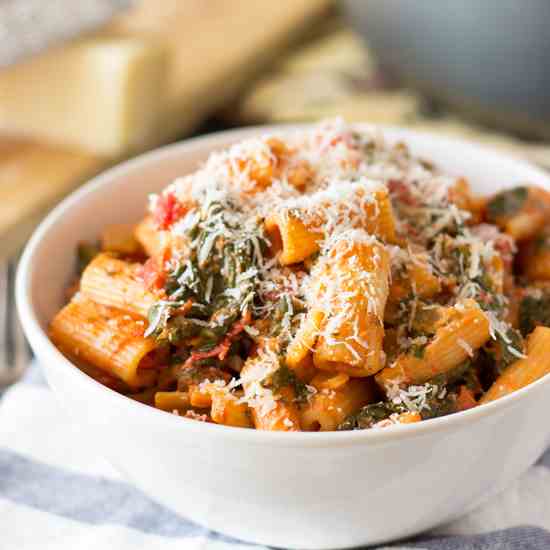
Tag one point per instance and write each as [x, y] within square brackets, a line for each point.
[296, 490]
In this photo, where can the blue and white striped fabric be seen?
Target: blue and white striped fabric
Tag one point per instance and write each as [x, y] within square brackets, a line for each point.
[57, 493]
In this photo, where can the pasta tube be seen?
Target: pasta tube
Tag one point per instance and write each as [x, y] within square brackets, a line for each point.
[461, 195]
[415, 278]
[524, 371]
[350, 284]
[225, 407]
[538, 268]
[536, 258]
[172, 401]
[298, 241]
[116, 283]
[329, 406]
[301, 227]
[465, 330]
[120, 238]
[521, 212]
[108, 338]
[302, 344]
[149, 237]
[271, 410]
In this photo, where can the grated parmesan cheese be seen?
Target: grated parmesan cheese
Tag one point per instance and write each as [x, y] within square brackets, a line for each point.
[343, 176]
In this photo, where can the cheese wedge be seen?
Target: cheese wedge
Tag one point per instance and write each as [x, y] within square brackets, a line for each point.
[102, 93]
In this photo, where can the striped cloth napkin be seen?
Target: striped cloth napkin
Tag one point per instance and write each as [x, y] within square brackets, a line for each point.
[56, 492]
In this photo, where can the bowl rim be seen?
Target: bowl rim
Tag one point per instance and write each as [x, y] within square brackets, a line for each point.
[40, 341]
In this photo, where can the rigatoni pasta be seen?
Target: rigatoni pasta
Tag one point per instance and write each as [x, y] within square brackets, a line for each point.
[317, 281]
[114, 282]
[351, 283]
[301, 225]
[522, 372]
[465, 330]
[334, 400]
[149, 237]
[263, 379]
[522, 211]
[109, 338]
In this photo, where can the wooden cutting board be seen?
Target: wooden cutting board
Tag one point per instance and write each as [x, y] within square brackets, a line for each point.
[215, 47]
[33, 177]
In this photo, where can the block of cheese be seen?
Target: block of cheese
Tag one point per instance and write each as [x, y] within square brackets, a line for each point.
[216, 48]
[102, 93]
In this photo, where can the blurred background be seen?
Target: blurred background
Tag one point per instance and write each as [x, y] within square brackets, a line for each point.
[86, 84]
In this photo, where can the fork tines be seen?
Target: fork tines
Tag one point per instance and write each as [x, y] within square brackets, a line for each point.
[14, 351]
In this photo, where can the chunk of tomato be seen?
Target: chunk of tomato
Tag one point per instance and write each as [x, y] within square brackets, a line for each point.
[168, 210]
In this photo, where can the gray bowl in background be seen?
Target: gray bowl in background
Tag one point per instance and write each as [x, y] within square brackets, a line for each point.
[488, 57]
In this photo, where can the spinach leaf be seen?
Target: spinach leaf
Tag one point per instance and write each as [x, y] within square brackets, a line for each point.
[284, 377]
[370, 415]
[507, 203]
[85, 252]
[534, 311]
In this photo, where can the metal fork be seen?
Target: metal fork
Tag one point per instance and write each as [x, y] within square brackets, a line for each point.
[15, 353]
